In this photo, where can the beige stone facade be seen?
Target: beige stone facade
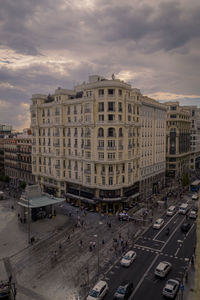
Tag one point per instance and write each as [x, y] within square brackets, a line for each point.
[153, 147]
[17, 159]
[178, 140]
[86, 143]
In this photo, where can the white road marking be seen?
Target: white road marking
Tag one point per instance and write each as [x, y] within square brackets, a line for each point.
[177, 251]
[145, 274]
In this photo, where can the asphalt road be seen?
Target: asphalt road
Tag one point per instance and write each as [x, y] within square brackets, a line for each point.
[153, 247]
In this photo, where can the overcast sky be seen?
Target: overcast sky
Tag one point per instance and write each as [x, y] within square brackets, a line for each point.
[152, 44]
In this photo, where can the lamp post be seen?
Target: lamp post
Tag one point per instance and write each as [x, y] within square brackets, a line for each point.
[98, 248]
[29, 240]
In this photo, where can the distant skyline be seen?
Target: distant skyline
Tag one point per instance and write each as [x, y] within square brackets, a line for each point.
[153, 45]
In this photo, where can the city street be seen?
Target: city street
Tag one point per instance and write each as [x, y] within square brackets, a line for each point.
[151, 248]
[41, 274]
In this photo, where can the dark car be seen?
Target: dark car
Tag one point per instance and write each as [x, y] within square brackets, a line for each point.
[185, 227]
[123, 216]
[124, 291]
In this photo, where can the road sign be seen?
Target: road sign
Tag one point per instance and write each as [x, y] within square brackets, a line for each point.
[182, 287]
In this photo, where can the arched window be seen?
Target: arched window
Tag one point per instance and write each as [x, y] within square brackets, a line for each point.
[111, 132]
[120, 132]
[100, 132]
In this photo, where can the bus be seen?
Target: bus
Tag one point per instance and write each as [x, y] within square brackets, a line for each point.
[195, 186]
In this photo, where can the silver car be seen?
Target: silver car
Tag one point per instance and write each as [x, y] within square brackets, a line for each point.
[171, 288]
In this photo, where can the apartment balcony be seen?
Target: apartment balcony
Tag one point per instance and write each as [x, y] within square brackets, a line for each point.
[57, 167]
[100, 148]
[56, 145]
[87, 171]
[111, 148]
[120, 147]
[87, 147]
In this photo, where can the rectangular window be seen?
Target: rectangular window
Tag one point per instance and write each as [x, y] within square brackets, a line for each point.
[120, 92]
[111, 92]
[101, 144]
[101, 118]
[111, 155]
[103, 179]
[111, 106]
[88, 118]
[111, 117]
[88, 154]
[101, 155]
[101, 93]
[119, 117]
[87, 108]
[110, 181]
[111, 143]
[101, 107]
[120, 106]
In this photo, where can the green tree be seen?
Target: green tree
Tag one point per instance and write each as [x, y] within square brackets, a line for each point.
[22, 184]
[185, 179]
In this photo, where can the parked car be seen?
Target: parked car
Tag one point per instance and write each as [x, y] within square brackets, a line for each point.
[193, 214]
[99, 291]
[158, 224]
[171, 288]
[128, 258]
[171, 210]
[163, 269]
[195, 196]
[185, 227]
[124, 291]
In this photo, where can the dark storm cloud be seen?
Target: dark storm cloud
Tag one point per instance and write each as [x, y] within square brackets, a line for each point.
[59, 43]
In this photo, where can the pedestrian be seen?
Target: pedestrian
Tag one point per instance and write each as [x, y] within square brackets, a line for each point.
[122, 242]
[103, 242]
[20, 219]
[186, 277]
[81, 243]
[68, 238]
[60, 246]
[90, 246]
[94, 245]
[18, 215]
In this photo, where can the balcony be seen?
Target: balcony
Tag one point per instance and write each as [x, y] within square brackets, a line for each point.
[87, 147]
[100, 147]
[87, 171]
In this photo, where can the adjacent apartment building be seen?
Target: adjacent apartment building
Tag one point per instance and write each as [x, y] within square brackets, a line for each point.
[178, 140]
[86, 143]
[153, 147]
[195, 138]
[18, 158]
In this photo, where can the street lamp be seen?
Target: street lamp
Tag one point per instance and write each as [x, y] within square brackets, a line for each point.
[97, 236]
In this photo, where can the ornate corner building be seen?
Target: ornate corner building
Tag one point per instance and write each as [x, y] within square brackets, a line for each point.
[87, 143]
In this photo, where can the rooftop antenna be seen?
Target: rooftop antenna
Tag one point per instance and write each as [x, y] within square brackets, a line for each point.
[113, 76]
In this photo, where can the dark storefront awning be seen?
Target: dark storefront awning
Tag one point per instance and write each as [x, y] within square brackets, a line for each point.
[83, 199]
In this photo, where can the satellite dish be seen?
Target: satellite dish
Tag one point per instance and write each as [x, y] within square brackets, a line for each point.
[113, 76]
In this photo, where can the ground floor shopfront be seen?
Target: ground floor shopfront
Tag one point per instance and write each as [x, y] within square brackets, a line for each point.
[103, 201]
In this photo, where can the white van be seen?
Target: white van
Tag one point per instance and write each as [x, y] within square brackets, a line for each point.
[183, 209]
[99, 291]
[171, 210]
